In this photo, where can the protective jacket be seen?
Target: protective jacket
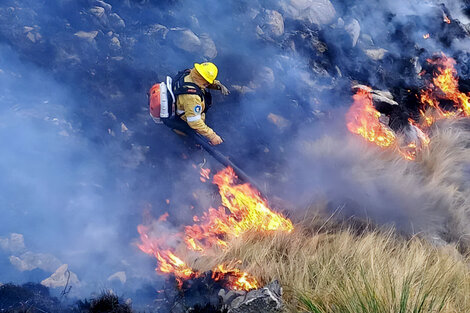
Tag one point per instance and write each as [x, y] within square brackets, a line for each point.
[192, 108]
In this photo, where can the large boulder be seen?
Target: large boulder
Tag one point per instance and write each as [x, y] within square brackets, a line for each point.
[62, 277]
[188, 41]
[354, 30]
[99, 13]
[208, 46]
[313, 11]
[271, 23]
[264, 300]
[116, 22]
[185, 39]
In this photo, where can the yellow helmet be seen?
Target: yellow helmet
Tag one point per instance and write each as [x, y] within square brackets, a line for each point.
[207, 70]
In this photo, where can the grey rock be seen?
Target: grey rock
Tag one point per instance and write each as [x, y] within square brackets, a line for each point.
[227, 297]
[417, 65]
[378, 96]
[313, 11]
[32, 33]
[271, 23]
[208, 46]
[264, 300]
[354, 30]
[97, 11]
[31, 37]
[318, 45]
[88, 36]
[115, 43]
[157, 29]
[376, 54]
[62, 277]
[116, 21]
[104, 5]
[365, 41]
[99, 15]
[185, 39]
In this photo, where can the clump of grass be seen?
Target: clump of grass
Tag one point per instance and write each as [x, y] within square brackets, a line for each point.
[346, 271]
[104, 303]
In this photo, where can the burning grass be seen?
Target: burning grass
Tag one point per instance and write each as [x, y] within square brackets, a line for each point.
[339, 269]
[243, 209]
[442, 88]
[326, 268]
[342, 271]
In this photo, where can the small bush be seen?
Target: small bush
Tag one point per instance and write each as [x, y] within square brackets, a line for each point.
[107, 302]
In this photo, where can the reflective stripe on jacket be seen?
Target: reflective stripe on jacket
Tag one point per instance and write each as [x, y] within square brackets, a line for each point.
[193, 108]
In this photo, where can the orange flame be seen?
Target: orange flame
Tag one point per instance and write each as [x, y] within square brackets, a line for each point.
[247, 211]
[243, 210]
[239, 280]
[446, 19]
[444, 86]
[426, 36]
[363, 119]
[205, 174]
[422, 140]
[168, 261]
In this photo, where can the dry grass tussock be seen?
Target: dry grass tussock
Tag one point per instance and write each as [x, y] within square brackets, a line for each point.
[430, 195]
[374, 271]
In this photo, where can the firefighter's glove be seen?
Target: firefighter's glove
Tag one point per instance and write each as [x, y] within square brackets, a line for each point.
[222, 88]
[216, 140]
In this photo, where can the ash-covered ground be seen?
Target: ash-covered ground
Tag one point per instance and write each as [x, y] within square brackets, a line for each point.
[82, 161]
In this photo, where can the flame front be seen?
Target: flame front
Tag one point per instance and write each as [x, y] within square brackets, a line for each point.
[247, 211]
[363, 119]
[444, 86]
[244, 209]
[168, 262]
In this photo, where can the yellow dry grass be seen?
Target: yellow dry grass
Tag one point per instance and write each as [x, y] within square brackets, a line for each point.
[375, 271]
[343, 270]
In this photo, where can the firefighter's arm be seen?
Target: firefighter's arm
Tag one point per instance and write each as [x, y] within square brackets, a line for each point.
[193, 113]
[219, 86]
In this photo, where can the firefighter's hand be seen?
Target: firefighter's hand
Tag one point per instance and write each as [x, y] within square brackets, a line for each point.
[222, 88]
[216, 140]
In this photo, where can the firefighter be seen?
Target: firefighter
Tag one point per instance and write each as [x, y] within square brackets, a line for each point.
[193, 99]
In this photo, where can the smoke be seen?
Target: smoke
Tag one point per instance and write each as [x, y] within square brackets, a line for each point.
[427, 196]
[82, 160]
[63, 193]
